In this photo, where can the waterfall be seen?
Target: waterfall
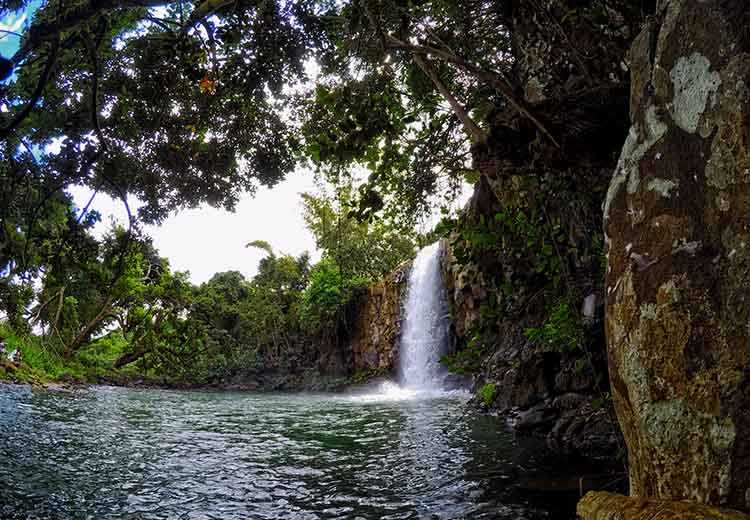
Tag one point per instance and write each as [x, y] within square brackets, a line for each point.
[424, 336]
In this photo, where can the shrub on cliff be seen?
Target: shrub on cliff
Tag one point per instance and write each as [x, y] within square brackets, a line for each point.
[327, 297]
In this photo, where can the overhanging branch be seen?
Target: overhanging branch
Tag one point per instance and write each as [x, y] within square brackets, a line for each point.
[494, 79]
[35, 96]
[476, 134]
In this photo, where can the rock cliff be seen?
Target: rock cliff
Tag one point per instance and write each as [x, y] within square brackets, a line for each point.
[525, 272]
[374, 342]
[553, 389]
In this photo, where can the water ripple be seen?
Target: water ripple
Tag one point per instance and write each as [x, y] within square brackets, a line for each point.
[149, 454]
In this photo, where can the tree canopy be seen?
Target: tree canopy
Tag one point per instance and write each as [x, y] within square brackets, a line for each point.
[184, 103]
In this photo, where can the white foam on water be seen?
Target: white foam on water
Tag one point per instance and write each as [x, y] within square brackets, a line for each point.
[390, 391]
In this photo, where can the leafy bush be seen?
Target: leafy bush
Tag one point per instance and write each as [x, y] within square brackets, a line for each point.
[562, 331]
[488, 393]
[100, 355]
[42, 359]
[468, 360]
[327, 296]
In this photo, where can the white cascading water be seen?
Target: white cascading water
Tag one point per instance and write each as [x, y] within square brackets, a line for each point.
[424, 336]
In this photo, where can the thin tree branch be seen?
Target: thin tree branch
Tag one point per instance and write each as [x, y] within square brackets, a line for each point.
[204, 10]
[35, 96]
[59, 307]
[38, 314]
[163, 23]
[88, 204]
[476, 134]
[103, 146]
[573, 50]
[494, 79]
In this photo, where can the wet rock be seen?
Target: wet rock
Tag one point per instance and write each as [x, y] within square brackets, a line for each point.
[521, 386]
[573, 379]
[569, 401]
[541, 416]
[584, 429]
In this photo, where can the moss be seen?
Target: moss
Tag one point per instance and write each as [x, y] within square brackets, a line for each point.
[488, 393]
[637, 144]
[663, 187]
[720, 168]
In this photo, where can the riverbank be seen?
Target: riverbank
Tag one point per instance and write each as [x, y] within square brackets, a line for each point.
[42, 364]
[24, 374]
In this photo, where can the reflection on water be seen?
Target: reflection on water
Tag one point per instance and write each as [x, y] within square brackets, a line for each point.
[148, 454]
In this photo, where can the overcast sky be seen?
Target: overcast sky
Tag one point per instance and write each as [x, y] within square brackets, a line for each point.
[207, 240]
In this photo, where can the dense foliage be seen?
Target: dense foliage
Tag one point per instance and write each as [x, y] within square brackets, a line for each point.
[116, 310]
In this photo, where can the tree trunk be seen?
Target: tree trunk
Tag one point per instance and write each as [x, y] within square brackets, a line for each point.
[128, 358]
[85, 334]
[677, 224]
[470, 127]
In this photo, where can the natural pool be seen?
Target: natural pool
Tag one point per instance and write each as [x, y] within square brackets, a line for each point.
[106, 452]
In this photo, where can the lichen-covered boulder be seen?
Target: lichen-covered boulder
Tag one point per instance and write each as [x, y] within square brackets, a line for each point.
[677, 226]
[610, 506]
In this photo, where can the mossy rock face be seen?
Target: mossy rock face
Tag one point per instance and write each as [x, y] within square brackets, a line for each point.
[677, 226]
[609, 506]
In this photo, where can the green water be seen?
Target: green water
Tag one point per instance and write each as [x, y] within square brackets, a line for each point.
[106, 452]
